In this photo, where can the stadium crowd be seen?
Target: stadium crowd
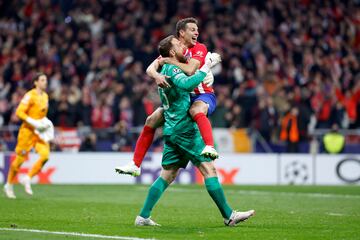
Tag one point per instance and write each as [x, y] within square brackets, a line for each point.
[282, 60]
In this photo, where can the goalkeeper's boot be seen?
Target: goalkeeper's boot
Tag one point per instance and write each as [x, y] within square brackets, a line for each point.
[26, 181]
[130, 169]
[237, 217]
[140, 221]
[209, 151]
[9, 191]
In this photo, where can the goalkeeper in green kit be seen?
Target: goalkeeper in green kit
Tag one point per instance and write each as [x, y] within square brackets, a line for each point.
[183, 142]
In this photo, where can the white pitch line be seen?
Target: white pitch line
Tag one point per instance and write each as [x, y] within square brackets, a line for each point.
[335, 214]
[257, 192]
[302, 194]
[72, 234]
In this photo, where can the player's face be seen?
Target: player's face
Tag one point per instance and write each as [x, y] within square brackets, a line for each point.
[178, 48]
[41, 83]
[190, 34]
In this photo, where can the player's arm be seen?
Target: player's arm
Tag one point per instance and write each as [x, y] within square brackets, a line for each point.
[188, 83]
[152, 71]
[23, 107]
[188, 68]
[22, 110]
[194, 63]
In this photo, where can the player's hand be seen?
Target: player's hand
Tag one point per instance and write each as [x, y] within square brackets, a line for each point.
[161, 81]
[212, 59]
[209, 79]
[39, 124]
[46, 123]
[46, 132]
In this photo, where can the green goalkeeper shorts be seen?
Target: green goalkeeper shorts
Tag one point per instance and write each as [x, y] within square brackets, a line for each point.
[181, 148]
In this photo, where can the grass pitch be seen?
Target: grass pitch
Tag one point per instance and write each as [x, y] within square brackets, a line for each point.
[185, 212]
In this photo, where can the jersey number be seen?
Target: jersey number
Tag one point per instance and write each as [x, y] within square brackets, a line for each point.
[164, 99]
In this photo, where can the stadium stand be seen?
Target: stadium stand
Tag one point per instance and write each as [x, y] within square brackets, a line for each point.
[276, 55]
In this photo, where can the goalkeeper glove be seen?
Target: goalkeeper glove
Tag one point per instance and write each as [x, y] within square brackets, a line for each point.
[211, 60]
[209, 79]
[214, 58]
[37, 124]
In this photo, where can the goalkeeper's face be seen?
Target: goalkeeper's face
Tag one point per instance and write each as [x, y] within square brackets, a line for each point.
[178, 48]
[41, 83]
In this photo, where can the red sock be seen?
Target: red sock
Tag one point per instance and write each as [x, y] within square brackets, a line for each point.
[204, 126]
[143, 143]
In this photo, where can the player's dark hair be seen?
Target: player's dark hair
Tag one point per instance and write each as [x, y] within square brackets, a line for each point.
[181, 24]
[165, 46]
[36, 77]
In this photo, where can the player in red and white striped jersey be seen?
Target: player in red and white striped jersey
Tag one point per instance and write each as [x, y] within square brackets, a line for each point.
[198, 52]
[203, 98]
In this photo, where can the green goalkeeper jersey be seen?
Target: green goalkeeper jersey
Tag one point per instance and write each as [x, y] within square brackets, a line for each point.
[176, 99]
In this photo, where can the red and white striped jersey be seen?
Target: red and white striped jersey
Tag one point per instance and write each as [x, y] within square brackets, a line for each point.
[199, 52]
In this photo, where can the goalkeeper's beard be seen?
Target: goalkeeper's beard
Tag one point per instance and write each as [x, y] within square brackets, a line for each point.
[181, 58]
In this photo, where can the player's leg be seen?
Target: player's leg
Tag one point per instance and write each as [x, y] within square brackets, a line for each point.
[43, 149]
[155, 120]
[167, 176]
[215, 190]
[206, 167]
[25, 143]
[203, 105]
[14, 168]
[171, 163]
[191, 146]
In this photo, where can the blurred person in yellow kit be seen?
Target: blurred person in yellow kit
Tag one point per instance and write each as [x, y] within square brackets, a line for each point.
[35, 132]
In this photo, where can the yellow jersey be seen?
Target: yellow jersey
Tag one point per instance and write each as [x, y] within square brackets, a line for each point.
[33, 105]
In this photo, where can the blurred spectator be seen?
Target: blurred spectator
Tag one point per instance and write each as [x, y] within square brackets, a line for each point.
[334, 142]
[218, 118]
[267, 118]
[89, 143]
[95, 54]
[65, 111]
[101, 116]
[290, 131]
[122, 139]
[84, 109]
[4, 112]
[350, 101]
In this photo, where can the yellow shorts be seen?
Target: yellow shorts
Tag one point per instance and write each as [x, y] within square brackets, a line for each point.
[28, 139]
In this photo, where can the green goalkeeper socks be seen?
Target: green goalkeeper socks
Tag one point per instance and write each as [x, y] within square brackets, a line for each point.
[217, 194]
[155, 192]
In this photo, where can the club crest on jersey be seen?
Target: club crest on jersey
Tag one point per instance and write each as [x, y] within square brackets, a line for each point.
[176, 70]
